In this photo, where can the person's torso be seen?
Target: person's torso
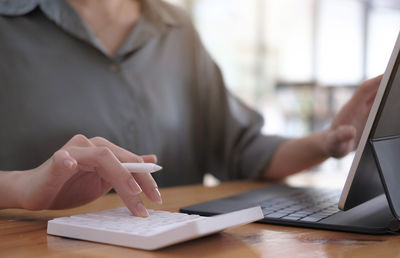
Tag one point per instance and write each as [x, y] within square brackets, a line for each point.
[53, 86]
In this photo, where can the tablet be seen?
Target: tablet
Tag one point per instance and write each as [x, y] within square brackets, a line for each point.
[364, 181]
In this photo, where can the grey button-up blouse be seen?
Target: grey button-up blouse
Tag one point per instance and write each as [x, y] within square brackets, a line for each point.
[160, 93]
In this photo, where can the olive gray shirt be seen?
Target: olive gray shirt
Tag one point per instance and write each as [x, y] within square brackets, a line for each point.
[160, 93]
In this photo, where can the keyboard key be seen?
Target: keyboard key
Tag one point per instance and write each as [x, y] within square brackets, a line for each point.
[297, 207]
[301, 214]
[311, 210]
[289, 209]
[290, 217]
[268, 210]
[310, 205]
[276, 215]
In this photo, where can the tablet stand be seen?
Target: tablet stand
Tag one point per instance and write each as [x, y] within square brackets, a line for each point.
[387, 156]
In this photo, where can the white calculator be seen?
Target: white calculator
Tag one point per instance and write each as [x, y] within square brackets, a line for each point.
[160, 229]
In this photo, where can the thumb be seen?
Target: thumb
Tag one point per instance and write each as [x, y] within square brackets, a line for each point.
[63, 163]
[43, 185]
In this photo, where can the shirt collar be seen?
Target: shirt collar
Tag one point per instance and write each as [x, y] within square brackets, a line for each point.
[22, 7]
[156, 18]
[159, 12]
[17, 7]
[61, 13]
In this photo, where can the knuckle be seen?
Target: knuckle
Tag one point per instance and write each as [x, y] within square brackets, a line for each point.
[129, 179]
[79, 138]
[60, 153]
[98, 139]
[134, 199]
[103, 151]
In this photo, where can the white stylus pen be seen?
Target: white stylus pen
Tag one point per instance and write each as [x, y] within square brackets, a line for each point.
[141, 167]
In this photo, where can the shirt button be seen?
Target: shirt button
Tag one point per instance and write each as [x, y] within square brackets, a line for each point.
[114, 68]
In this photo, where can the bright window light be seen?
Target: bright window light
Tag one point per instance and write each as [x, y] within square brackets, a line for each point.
[339, 42]
[384, 26]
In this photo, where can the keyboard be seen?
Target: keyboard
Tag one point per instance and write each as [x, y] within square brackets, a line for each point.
[160, 229]
[308, 205]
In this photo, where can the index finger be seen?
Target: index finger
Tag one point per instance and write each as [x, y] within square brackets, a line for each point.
[109, 168]
[146, 181]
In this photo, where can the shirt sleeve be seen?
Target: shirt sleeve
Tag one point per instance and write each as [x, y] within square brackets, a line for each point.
[234, 145]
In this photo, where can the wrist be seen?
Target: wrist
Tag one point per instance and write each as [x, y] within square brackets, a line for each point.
[10, 192]
[322, 144]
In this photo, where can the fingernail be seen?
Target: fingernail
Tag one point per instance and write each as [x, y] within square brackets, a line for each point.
[141, 210]
[68, 163]
[135, 188]
[156, 196]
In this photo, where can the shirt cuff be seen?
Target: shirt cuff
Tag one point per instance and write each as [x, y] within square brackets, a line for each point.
[257, 157]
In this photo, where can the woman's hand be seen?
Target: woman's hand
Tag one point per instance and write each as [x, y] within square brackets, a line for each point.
[346, 129]
[80, 172]
[295, 155]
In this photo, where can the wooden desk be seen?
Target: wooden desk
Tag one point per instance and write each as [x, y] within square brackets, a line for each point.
[23, 234]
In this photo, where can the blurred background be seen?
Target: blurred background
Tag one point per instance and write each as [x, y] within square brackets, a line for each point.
[297, 61]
